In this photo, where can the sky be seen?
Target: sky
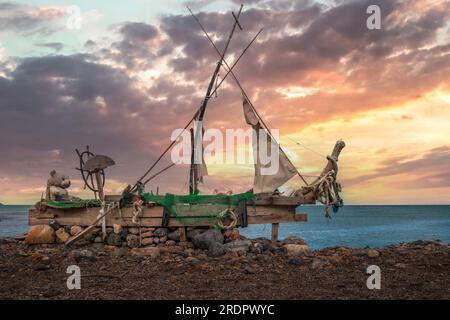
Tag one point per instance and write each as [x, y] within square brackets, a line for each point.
[131, 72]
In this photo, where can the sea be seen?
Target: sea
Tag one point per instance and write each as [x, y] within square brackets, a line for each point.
[357, 226]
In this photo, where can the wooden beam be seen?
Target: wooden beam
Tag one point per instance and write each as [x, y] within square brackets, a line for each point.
[275, 227]
[182, 233]
[152, 217]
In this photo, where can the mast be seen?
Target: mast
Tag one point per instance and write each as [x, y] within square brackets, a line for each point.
[193, 176]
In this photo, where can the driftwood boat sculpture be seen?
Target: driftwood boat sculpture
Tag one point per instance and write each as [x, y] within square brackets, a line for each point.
[263, 204]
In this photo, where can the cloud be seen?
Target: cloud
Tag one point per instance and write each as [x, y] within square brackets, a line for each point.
[27, 19]
[57, 46]
[433, 168]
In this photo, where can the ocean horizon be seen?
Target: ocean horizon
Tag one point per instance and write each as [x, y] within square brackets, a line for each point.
[355, 226]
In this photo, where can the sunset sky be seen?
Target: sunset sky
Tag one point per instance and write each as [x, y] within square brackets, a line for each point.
[137, 69]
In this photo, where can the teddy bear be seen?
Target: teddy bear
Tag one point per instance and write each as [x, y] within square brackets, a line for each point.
[57, 185]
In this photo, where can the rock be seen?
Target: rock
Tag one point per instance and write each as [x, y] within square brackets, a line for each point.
[293, 240]
[62, 235]
[133, 230]
[175, 235]
[401, 265]
[114, 240]
[373, 253]
[204, 240]
[74, 230]
[170, 243]
[296, 261]
[117, 228]
[98, 240]
[237, 245]
[55, 225]
[161, 232]
[190, 234]
[216, 250]
[318, 263]
[41, 267]
[147, 241]
[67, 229]
[152, 252]
[249, 270]
[40, 234]
[188, 252]
[156, 240]
[231, 234]
[162, 240]
[274, 248]
[296, 249]
[147, 234]
[132, 241]
[83, 255]
[192, 260]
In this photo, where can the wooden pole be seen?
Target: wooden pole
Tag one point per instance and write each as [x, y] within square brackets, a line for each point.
[99, 185]
[85, 231]
[275, 227]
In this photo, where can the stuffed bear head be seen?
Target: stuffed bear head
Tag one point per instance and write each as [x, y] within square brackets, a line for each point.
[58, 180]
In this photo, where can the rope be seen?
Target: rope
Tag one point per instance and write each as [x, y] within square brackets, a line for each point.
[137, 212]
[227, 213]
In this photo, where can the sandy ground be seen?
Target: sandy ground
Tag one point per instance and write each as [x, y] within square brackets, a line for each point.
[418, 270]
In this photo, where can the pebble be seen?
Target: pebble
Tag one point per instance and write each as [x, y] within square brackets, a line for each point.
[373, 253]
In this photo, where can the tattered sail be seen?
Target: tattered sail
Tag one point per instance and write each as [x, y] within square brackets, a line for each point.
[266, 182]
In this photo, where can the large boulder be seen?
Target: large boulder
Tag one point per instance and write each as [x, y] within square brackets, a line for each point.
[216, 249]
[40, 234]
[174, 235]
[205, 239]
[296, 249]
[237, 245]
[62, 235]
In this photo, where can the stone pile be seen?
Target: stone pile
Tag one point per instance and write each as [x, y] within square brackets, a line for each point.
[212, 242]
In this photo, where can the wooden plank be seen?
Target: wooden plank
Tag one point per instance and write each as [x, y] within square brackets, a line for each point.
[152, 217]
[275, 227]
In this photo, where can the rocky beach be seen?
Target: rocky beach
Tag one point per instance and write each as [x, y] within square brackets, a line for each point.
[154, 263]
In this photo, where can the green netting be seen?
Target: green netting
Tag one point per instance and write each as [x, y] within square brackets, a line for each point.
[195, 207]
[76, 204]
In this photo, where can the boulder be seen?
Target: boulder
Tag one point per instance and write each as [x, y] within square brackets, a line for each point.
[216, 249]
[98, 240]
[132, 241]
[147, 234]
[296, 261]
[162, 240]
[147, 241]
[237, 245]
[55, 225]
[114, 240]
[124, 234]
[117, 228]
[373, 253]
[293, 240]
[156, 240]
[204, 240]
[83, 255]
[175, 235]
[40, 234]
[190, 234]
[152, 252]
[296, 249]
[74, 230]
[161, 232]
[231, 234]
[133, 230]
[62, 235]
